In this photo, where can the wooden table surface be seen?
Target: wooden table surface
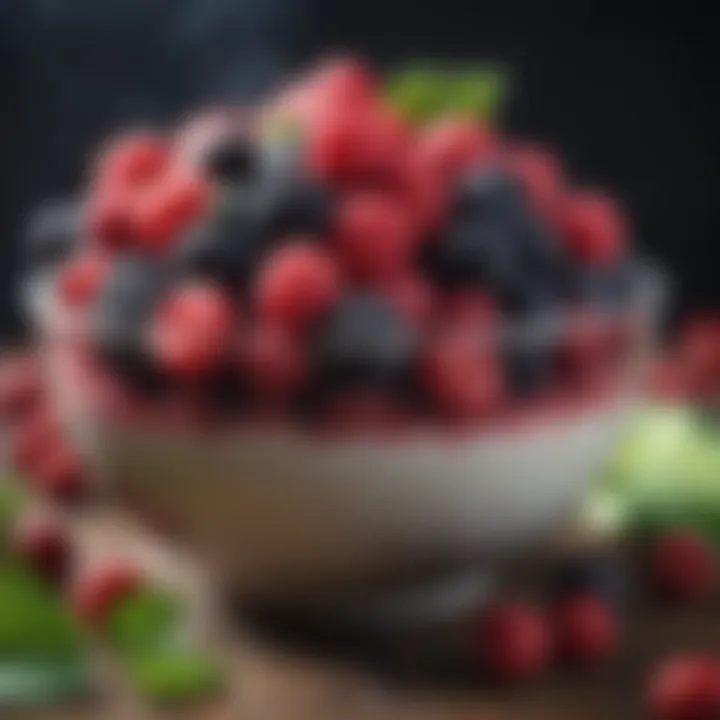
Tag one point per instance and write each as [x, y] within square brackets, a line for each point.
[272, 682]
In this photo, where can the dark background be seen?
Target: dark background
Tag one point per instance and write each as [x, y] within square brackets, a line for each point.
[624, 92]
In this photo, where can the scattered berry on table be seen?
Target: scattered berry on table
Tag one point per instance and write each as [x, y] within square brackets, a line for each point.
[585, 629]
[685, 688]
[512, 642]
[682, 566]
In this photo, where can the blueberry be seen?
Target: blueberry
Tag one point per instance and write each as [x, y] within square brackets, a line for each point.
[225, 248]
[474, 253]
[120, 318]
[365, 344]
[489, 193]
[51, 233]
[598, 575]
[232, 160]
[305, 207]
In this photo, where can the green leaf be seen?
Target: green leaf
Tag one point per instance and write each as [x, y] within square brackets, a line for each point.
[34, 623]
[174, 677]
[423, 94]
[148, 620]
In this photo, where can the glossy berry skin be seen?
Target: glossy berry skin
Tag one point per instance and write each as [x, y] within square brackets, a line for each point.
[51, 234]
[600, 576]
[100, 590]
[682, 566]
[593, 230]
[83, 279]
[43, 544]
[585, 630]
[365, 343]
[297, 284]
[685, 688]
[512, 643]
[191, 332]
[374, 237]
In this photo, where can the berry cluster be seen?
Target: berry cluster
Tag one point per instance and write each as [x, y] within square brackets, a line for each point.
[321, 257]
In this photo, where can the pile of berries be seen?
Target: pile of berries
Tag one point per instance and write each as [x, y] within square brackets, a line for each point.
[318, 257]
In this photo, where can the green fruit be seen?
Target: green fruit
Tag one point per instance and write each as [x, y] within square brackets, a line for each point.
[175, 677]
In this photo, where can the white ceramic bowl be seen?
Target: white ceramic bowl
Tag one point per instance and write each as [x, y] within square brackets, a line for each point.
[278, 512]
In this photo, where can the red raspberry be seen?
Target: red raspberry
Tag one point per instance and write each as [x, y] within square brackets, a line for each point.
[162, 212]
[334, 143]
[513, 642]
[593, 229]
[83, 279]
[20, 386]
[686, 688]
[585, 630]
[100, 590]
[111, 219]
[274, 360]
[540, 174]
[424, 193]
[453, 145]
[412, 296]
[682, 566]
[134, 160]
[343, 81]
[60, 474]
[33, 441]
[192, 330]
[466, 380]
[43, 543]
[374, 237]
[383, 143]
[297, 284]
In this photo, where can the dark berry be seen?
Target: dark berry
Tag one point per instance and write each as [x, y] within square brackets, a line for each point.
[489, 193]
[365, 343]
[121, 314]
[601, 576]
[685, 688]
[52, 233]
[585, 629]
[512, 642]
[682, 566]
[232, 160]
[226, 249]
[530, 370]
